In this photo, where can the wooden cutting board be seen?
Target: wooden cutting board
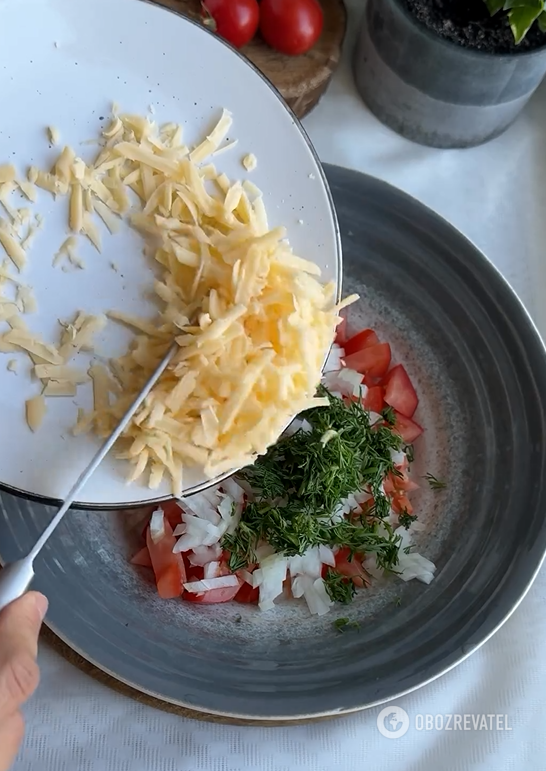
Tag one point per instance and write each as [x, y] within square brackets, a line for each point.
[301, 80]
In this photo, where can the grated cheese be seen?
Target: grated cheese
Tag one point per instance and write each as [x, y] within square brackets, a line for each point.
[252, 320]
[250, 162]
[35, 412]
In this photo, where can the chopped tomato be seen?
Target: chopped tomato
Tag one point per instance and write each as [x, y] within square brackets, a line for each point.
[363, 339]
[401, 503]
[173, 513]
[399, 391]
[373, 400]
[372, 361]
[247, 593]
[352, 568]
[341, 332]
[408, 429]
[169, 569]
[401, 484]
[195, 573]
[406, 484]
[225, 594]
[142, 558]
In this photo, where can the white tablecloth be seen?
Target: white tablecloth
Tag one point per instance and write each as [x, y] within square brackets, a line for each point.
[496, 195]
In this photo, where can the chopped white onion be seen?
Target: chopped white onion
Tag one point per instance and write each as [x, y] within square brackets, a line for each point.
[246, 576]
[333, 362]
[234, 490]
[157, 525]
[221, 582]
[200, 506]
[270, 578]
[202, 555]
[314, 592]
[211, 570]
[307, 563]
[354, 379]
[327, 556]
[398, 457]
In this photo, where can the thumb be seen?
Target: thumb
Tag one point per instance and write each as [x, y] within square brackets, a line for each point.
[20, 625]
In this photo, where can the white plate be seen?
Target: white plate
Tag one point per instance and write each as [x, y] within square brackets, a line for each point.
[62, 64]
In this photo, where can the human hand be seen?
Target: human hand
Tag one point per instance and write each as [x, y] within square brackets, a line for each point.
[20, 624]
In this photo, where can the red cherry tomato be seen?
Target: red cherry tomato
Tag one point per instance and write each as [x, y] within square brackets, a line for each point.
[291, 26]
[234, 20]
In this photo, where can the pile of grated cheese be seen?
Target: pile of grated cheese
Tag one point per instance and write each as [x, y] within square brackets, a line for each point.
[252, 320]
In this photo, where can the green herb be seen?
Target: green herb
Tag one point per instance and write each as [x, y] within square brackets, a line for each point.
[302, 480]
[406, 519]
[410, 454]
[522, 14]
[435, 484]
[398, 602]
[339, 588]
[389, 416]
[407, 549]
[341, 624]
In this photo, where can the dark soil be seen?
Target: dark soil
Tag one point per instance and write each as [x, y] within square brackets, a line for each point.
[468, 23]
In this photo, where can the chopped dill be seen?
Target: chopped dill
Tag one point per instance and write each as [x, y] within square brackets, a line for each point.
[435, 484]
[406, 519]
[341, 624]
[339, 588]
[300, 484]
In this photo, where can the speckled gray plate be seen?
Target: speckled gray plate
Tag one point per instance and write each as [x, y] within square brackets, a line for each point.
[480, 370]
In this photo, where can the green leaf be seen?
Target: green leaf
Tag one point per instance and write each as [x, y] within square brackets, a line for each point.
[509, 4]
[494, 6]
[542, 21]
[521, 21]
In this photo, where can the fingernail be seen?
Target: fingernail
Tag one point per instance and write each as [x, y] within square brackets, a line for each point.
[42, 604]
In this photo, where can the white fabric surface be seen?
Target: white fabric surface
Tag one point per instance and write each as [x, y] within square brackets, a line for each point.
[496, 195]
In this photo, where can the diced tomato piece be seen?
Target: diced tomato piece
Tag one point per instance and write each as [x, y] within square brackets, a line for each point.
[142, 558]
[388, 485]
[399, 483]
[372, 361]
[406, 484]
[247, 593]
[352, 568]
[363, 339]
[401, 503]
[213, 596]
[195, 573]
[169, 569]
[399, 391]
[373, 400]
[173, 513]
[341, 332]
[408, 429]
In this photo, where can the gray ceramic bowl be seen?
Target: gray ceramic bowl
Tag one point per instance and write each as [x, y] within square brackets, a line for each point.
[480, 369]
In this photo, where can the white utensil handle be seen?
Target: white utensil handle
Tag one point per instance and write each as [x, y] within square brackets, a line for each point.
[15, 579]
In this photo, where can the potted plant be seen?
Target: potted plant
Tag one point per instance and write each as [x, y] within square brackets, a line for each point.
[450, 73]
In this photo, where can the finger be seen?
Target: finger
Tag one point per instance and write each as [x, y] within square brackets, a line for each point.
[19, 628]
[12, 731]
